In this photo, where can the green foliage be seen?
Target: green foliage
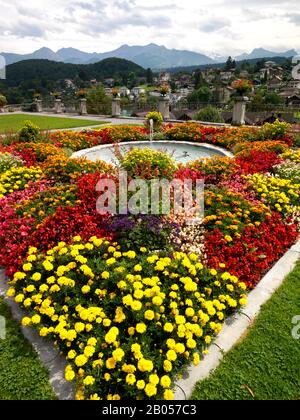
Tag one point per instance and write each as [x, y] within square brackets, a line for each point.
[29, 132]
[8, 161]
[97, 101]
[275, 131]
[149, 164]
[209, 114]
[203, 94]
[21, 375]
[3, 101]
[157, 119]
[254, 368]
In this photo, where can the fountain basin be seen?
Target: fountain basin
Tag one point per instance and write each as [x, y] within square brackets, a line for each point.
[181, 151]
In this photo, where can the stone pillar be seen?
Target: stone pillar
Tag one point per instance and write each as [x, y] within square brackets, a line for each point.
[116, 107]
[82, 107]
[39, 105]
[239, 110]
[164, 107]
[58, 106]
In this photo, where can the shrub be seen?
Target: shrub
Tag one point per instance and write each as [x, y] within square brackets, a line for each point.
[275, 131]
[116, 316]
[288, 170]
[210, 114]
[8, 161]
[148, 164]
[256, 161]
[134, 232]
[291, 155]
[244, 149]
[282, 195]
[63, 169]
[29, 132]
[250, 255]
[215, 170]
[123, 133]
[157, 120]
[17, 178]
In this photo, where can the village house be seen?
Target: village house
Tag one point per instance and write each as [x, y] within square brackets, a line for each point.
[137, 91]
[124, 91]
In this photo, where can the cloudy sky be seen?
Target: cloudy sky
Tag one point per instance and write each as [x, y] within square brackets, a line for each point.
[209, 26]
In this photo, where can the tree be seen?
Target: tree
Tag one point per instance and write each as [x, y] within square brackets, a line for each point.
[230, 64]
[149, 76]
[199, 80]
[97, 101]
[202, 95]
[3, 101]
[209, 114]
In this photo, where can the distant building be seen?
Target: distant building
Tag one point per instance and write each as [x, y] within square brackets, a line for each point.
[137, 91]
[108, 91]
[124, 91]
[275, 83]
[110, 82]
[164, 77]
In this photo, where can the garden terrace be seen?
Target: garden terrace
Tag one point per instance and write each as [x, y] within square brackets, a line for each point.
[129, 318]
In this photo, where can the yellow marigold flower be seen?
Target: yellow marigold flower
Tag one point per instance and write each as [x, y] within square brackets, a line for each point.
[81, 360]
[157, 300]
[180, 348]
[243, 302]
[110, 363]
[26, 321]
[154, 379]
[165, 381]
[149, 315]
[141, 328]
[79, 327]
[118, 354]
[168, 327]
[107, 377]
[171, 355]
[138, 268]
[105, 275]
[191, 343]
[207, 339]
[48, 266]
[145, 365]
[143, 250]
[130, 379]
[89, 380]
[36, 319]
[140, 385]
[95, 397]
[69, 375]
[136, 305]
[131, 331]
[72, 354]
[196, 359]
[43, 332]
[36, 276]
[85, 289]
[11, 292]
[168, 395]
[131, 255]
[150, 390]
[135, 348]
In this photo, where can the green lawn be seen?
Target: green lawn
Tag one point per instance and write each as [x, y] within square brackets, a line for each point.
[12, 123]
[22, 376]
[266, 365]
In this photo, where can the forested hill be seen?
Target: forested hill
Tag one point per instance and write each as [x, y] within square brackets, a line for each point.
[47, 70]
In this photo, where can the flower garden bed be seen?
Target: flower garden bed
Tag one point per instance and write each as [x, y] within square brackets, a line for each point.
[126, 317]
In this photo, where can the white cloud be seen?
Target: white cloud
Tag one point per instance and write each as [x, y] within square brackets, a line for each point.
[216, 26]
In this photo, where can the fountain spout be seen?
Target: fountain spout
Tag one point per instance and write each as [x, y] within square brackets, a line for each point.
[151, 122]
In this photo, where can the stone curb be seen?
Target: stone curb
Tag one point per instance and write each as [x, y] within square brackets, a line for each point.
[235, 327]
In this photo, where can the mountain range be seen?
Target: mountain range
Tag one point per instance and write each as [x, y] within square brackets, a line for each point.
[148, 56]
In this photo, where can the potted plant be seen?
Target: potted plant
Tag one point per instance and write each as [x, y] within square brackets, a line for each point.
[81, 94]
[164, 90]
[242, 87]
[115, 92]
[56, 95]
[157, 120]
